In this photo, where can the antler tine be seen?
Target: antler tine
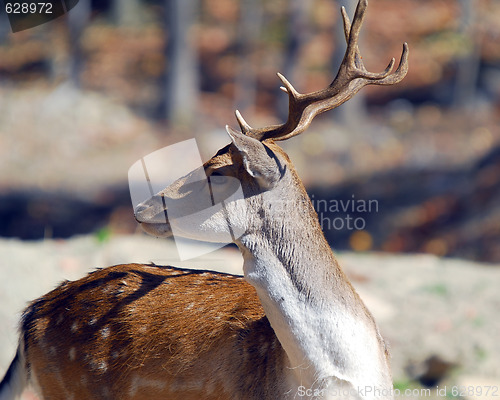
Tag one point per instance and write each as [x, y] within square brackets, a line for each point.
[288, 87]
[353, 57]
[347, 23]
[245, 128]
[351, 77]
[354, 30]
[398, 75]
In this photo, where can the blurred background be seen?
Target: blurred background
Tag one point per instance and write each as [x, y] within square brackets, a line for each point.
[85, 96]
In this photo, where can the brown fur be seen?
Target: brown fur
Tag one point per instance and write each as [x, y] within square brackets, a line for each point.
[133, 325]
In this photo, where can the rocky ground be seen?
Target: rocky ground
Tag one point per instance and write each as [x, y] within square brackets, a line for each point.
[439, 315]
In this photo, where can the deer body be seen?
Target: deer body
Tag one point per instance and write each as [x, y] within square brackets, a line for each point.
[127, 332]
[293, 327]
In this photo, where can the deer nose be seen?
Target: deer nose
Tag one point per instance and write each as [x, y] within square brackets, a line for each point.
[144, 212]
[150, 211]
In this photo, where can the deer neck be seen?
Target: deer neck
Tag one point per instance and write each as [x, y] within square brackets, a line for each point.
[319, 319]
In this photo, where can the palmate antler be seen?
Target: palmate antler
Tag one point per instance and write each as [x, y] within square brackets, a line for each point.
[352, 76]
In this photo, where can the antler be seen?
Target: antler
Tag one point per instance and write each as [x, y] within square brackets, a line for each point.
[352, 76]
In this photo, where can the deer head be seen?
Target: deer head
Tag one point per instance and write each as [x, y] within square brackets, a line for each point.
[254, 160]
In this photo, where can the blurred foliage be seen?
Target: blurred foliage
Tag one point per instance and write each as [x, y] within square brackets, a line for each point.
[127, 61]
[103, 235]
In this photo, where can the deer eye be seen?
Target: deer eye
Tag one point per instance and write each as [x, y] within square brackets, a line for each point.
[217, 178]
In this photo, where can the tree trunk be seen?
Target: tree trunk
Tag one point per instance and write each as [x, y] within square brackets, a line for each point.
[77, 21]
[248, 36]
[181, 80]
[468, 65]
[297, 35]
[126, 12]
[5, 28]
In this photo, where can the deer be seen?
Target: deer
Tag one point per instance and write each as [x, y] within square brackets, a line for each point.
[291, 327]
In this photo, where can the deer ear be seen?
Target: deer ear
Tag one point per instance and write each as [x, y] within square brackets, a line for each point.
[259, 160]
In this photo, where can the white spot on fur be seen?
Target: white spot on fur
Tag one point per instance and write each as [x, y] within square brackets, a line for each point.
[107, 289]
[72, 354]
[139, 382]
[98, 365]
[101, 365]
[105, 332]
[181, 384]
[92, 321]
[263, 350]
[74, 327]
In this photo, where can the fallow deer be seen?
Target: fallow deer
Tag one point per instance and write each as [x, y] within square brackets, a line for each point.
[293, 327]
